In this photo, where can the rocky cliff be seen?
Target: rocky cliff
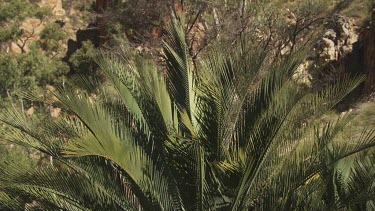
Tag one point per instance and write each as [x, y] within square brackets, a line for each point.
[346, 47]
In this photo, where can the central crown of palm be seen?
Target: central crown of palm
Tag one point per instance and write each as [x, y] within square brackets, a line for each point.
[233, 133]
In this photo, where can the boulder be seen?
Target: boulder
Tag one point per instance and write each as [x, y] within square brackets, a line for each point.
[329, 50]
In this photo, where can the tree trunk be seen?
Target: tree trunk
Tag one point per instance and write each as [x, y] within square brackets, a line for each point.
[101, 6]
[369, 56]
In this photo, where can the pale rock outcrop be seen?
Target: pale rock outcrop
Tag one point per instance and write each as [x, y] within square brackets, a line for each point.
[55, 112]
[337, 42]
[54, 5]
[30, 111]
[302, 75]
[329, 50]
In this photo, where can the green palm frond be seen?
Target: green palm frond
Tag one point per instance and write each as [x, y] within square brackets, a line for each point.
[181, 76]
[60, 188]
[34, 134]
[361, 177]
[276, 130]
[9, 202]
[101, 137]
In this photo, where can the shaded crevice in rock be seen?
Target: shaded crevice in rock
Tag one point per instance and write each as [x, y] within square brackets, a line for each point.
[95, 32]
[91, 34]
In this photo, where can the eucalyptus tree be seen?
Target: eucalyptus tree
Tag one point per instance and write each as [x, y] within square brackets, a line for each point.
[232, 132]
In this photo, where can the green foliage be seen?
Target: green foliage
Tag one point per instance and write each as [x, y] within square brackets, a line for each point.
[82, 60]
[10, 74]
[52, 34]
[233, 132]
[15, 11]
[32, 69]
[10, 33]
[29, 71]
[16, 154]
[41, 13]
[52, 31]
[46, 70]
[18, 10]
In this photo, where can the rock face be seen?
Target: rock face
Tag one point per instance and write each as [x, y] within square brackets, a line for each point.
[31, 29]
[302, 75]
[329, 52]
[339, 40]
[55, 5]
[339, 51]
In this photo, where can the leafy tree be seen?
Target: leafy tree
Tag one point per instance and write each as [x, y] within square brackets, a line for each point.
[29, 71]
[237, 133]
[33, 69]
[12, 13]
[82, 61]
[52, 34]
[9, 73]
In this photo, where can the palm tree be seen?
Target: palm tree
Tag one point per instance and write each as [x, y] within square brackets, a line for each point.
[233, 133]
